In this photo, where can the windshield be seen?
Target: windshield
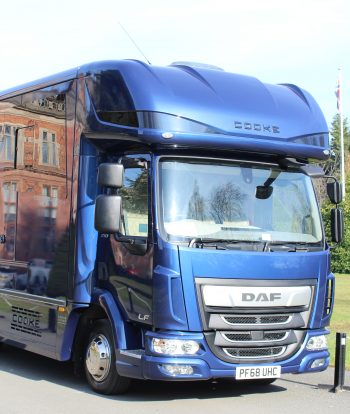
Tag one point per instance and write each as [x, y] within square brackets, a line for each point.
[227, 201]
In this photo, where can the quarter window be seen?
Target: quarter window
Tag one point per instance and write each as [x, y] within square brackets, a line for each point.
[135, 202]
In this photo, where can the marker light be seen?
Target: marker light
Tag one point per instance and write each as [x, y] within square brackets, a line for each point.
[167, 135]
[318, 363]
[317, 343]
[174, 346]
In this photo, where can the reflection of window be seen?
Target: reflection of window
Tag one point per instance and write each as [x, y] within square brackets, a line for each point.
[9, 191]
[49, 149]
[49, 204]
[7, 139]
[135, 202]
[46, 190]
[10, 208]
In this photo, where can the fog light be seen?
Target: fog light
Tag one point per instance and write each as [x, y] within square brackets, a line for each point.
[178, 369]
[317, 343]
[318, 363]
[174, 346]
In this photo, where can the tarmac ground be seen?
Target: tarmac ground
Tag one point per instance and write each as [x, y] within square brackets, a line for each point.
[31, 383]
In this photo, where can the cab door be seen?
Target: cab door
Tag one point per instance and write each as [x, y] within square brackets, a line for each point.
[130, 264]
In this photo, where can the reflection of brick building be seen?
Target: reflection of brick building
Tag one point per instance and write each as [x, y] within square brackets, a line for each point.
[34, 211]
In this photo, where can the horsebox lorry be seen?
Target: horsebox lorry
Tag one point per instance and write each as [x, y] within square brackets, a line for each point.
[161, 223]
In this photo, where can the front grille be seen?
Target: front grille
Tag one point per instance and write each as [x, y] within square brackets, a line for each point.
[252, 353]
[274, 336]
[274, 319]
[256, 319]
[256, 336]
[255, 332]
[237, 337]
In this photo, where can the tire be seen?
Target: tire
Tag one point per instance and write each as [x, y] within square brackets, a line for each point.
[261, 382]
[100, 362]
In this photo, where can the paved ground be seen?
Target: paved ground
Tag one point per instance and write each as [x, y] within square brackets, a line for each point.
[37, 385]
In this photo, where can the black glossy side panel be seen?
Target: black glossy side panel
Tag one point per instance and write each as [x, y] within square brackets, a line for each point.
[35, 212]
[29, 321]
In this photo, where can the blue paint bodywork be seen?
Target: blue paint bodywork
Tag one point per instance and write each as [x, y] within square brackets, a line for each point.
[241, 109]
[86, 233]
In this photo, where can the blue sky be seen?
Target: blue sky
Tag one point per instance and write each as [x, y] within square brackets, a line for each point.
[278, 41]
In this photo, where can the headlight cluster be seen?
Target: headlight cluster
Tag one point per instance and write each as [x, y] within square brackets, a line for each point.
[174, 346]
[317, 343]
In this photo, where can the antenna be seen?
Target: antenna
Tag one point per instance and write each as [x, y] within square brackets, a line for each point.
[134, 43]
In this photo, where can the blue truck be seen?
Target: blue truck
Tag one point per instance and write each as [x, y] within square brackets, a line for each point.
[161, 223]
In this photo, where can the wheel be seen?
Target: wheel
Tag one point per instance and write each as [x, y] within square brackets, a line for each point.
[100, 368]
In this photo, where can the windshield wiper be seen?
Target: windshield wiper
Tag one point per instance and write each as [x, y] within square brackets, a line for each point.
[291, 246]
[199, 242]
[255, 245]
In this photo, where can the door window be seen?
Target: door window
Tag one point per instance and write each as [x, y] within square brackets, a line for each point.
[135, 202]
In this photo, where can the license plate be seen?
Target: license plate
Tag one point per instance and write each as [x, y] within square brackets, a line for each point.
[243, 373]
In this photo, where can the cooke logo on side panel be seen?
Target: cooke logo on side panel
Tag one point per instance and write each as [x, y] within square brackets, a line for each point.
[26, 321]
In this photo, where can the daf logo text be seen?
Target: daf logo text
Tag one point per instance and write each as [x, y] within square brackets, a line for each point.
[261, 297]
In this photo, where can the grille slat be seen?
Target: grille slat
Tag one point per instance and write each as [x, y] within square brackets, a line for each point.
[256, 336]
[274, 336]
[256, 319]
[251, 353]
[237, 336]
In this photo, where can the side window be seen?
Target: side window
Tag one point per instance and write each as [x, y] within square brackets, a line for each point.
[135, 202]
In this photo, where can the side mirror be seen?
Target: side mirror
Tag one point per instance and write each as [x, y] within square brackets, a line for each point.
[337, 225]
[110, 175]
[108, 207]
[108, 213]
[334, 191]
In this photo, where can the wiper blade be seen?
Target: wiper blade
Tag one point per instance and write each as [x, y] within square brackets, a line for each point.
[195, 242]
[200, 241]
[291, 246]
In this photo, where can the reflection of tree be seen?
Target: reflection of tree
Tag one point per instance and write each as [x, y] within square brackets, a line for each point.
[226, 203]
[196, 205]
[135, 197]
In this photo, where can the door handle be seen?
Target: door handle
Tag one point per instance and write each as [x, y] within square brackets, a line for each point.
[2, 238]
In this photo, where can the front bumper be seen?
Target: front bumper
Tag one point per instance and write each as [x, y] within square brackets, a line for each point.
[205, 365]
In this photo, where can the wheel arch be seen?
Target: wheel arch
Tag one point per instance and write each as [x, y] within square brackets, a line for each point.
[103, 306]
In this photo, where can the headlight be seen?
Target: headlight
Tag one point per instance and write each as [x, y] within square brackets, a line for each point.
[317, 343]
[174, 346]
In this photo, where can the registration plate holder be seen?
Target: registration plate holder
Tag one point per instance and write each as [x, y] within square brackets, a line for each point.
[258, 372]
